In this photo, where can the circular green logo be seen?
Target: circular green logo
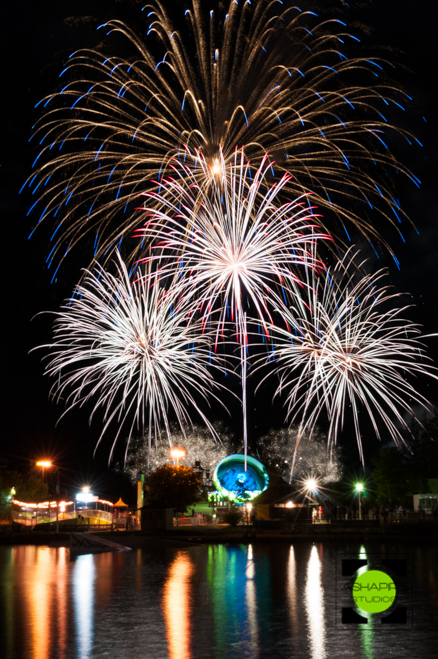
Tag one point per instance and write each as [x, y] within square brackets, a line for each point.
[374, 591]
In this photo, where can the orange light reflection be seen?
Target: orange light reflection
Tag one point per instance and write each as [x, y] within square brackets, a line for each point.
[62, 599]
[177, 606]
[40, 602]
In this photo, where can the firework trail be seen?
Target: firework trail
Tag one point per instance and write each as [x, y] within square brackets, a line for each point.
[129, 348]
[232, 248]
[349, 343]
[259, 74]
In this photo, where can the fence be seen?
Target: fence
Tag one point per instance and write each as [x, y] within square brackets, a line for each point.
[197, 520]
[34, 518]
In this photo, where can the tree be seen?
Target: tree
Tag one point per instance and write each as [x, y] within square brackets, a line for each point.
[421, 452]
[172, 487]
[392, 478]
[233, 517]
[26, 488]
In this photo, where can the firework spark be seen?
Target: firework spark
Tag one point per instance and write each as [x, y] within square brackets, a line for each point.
[350, 343]
[278, 448]
[233, 247]
[198, 442]
[129, 348]
[260, 74]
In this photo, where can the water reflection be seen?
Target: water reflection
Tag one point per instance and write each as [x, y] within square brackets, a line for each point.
[83, 601]
[251, 602]
[366, 631]
[314, 600]
[217, 561]
[40, 602]
[217, 602]
[7, 589]
[292, 589]
[238, 592]
[177, 606]
[62, 599]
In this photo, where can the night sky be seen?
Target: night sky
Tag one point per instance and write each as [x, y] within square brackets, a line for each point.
[36, 40]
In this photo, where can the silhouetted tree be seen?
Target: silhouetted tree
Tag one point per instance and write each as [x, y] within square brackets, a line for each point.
[172, 487]
[27, 488]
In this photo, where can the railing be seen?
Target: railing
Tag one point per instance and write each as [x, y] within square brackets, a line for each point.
[96, 514]
[32, 519]
[198, 520]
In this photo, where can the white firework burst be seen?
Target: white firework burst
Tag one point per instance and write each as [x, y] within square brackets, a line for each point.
[277, 449]
[350, 343]
[232, 246]
[128, 347]
[198, 442]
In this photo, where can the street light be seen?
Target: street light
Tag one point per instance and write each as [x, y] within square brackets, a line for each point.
[11, 496]
[177, 453]
[248, 513]
[86, 496]
[359, 489]
[311, 488]
[311, 485]
[44, 464]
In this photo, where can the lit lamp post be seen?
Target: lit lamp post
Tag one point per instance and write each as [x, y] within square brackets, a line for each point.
[359, 489]
[310, 486]
[44, 464]
[248, 513]
[11, 497]
[86, 497]
[178, 453]
[247, 528]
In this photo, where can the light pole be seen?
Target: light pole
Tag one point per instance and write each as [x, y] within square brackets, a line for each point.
[310, 487]
[57, 500]
[359, 489]
[247, 529]
[248, 513]
[177, 452]
[11, 497]
[44, 464]
[86, 491]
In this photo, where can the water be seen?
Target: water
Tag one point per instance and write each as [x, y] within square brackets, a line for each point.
[212, 602]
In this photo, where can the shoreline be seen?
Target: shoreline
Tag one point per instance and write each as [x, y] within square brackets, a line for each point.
[200, 535]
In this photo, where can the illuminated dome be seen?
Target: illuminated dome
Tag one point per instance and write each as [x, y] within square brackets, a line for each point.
[240, 486]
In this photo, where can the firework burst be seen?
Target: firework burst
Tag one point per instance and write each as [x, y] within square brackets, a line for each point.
[278, 448]
[263, 74]
[129, 348]
[234, 241]
[233, 248]
[198, 442]
[350, 344]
